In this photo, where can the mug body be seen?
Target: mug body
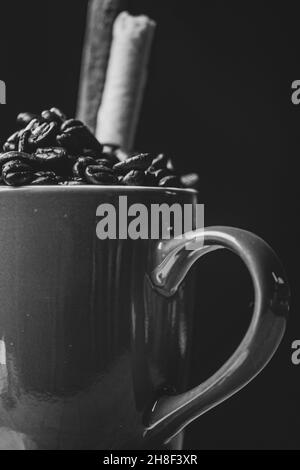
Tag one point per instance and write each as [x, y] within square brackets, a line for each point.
[86, 345]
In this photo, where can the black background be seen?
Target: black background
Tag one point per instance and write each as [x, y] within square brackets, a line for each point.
[219, 101]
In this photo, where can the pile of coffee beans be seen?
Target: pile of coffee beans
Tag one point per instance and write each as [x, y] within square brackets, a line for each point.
[49, 149]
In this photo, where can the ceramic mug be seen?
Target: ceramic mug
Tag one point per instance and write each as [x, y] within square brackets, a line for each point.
[95, 334]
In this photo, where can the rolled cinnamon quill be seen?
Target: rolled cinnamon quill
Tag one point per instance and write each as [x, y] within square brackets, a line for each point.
[98, 36]
[125, 80]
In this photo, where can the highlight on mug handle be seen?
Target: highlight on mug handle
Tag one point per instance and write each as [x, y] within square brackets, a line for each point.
[271, 291]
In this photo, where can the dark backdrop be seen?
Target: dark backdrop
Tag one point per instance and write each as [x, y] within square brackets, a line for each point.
[218, 100]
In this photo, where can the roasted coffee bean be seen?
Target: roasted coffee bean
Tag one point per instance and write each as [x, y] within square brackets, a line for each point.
[24, 118]
[44, 180]
[45, 177]
[80, 166]
[71, 143]
[138, 162]
[76, 130]
[14, 166]
[24, 145]
[70, 123]
[10, 147]
[134, 178]
[49, 116]
[159, 162]
[17, 173]
[66, 140]
[18, 179]
[84, 138]
[93, 169]
[44, 134]
[58, 113]
[190, 180]
[55, 159]
[50, 154]
[171, 181]
[12, 156]
[100, 175]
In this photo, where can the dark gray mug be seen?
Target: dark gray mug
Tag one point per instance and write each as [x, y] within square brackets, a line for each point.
[95, 334]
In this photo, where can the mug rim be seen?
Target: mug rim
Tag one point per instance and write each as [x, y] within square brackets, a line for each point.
[96, 188]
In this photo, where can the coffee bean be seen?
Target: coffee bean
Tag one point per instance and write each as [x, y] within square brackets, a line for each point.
[24, 145]
[17, 173]
[50, 116]
[93, 169]
[76, 130]
[58, 113]
[134, 178]
[190, 180]
[80, 166]
[19, 178]
[47, 115]
[55, 159]
[44, 134]
[84, 138]
[51, 154]
[67, 141]
[43, 180]
[138, 162]
[24, 118]
[100, 175]
[171, 181]
[14, 166]
[46, 178]
[70, 123]
[12, 156]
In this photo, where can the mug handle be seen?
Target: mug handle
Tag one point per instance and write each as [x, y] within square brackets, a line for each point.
[174, 258]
